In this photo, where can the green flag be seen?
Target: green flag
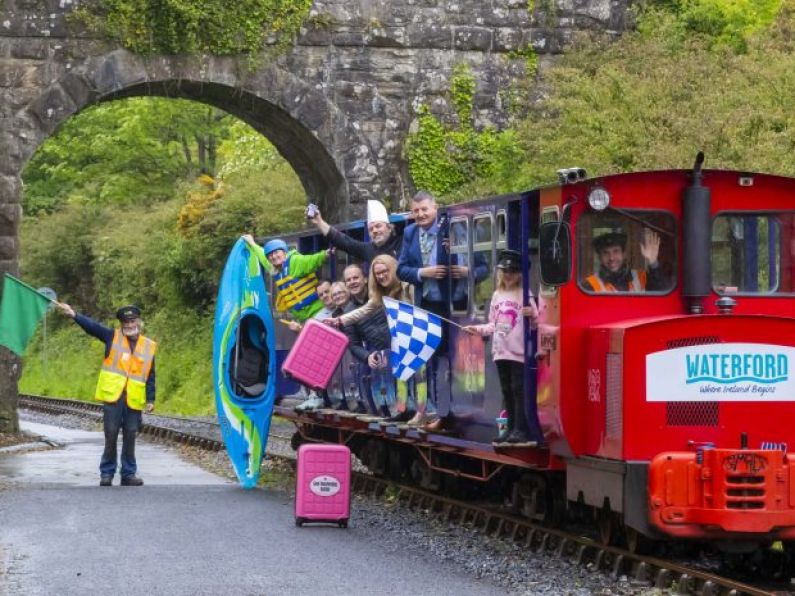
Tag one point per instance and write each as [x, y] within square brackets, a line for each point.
[20, 313]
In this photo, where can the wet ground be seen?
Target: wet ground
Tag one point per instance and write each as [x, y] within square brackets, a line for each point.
[186, 531]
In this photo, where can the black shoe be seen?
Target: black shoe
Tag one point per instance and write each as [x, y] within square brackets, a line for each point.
[384, 412]
[342, 406]
[132, 481]
[360, 409]
[518, 436]
[403, 416]
[105, 480]
[502, 437]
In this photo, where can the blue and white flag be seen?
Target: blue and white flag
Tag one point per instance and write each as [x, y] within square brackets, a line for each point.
[416, 333]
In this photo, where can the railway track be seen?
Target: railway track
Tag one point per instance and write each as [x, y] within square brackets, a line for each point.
[659, 573]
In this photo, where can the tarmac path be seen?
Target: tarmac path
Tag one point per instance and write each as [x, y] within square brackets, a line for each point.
[186, 532]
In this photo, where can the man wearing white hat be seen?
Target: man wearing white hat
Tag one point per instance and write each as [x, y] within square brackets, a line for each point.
[383, 240]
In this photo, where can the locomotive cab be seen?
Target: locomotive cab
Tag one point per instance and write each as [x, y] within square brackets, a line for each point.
[671, 351]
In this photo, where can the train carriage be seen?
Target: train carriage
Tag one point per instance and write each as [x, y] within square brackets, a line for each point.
[665, 398]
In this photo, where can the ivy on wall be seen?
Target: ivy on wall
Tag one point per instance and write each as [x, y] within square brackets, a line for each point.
[214, 27]
[444, 157]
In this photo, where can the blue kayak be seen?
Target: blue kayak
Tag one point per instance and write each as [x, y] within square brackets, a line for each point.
[244, 362]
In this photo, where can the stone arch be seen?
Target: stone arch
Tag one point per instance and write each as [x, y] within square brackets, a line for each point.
[334, 163]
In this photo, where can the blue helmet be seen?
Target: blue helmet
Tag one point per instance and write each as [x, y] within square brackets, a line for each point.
[273, 245]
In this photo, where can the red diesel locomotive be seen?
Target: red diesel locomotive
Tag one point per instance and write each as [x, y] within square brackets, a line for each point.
[661, 365]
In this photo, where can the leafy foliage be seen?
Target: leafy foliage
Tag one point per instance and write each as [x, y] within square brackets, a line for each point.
[718, 22]
[197, 26]
[651, 99]
[128, 152]
[442, 158]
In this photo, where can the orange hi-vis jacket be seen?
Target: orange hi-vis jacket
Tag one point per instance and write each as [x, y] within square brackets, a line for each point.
[125, 369]
[636, 284]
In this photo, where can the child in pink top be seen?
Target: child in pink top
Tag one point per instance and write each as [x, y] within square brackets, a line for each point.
[507, 347]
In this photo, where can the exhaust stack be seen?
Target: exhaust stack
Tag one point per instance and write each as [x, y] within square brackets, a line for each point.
[697, 275]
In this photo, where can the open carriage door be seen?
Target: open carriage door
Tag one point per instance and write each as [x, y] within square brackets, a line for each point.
[529, 216]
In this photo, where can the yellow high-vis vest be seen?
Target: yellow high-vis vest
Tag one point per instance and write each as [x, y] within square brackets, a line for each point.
[294, 292]
[126, 369]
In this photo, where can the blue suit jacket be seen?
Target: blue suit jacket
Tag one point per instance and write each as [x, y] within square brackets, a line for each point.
[410, 261]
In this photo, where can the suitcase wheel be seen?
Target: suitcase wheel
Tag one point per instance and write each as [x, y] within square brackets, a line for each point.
[299, 521]
[343, 523]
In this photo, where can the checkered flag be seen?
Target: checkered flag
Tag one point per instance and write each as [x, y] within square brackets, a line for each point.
[416, 334]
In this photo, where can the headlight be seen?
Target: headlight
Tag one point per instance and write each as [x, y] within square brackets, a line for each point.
[598, 198]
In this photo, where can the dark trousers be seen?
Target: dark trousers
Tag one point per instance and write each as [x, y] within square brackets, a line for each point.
[117, 416]
[522, 413]
[443, 310]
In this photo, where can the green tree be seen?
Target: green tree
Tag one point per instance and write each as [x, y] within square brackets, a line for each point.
[651, 99]
[130, 151]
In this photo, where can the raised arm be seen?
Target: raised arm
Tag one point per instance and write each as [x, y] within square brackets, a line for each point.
[90, 326]
[258, 252]
[357, 248]
[301, 265]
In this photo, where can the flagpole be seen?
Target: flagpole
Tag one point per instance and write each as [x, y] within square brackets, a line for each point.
[31, 288]
[433, 313]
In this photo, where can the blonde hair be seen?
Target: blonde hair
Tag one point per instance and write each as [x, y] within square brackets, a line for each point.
[342, 286]
[395, 288]
[501, 285]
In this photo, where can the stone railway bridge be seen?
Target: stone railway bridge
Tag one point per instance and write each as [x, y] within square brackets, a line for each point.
[338, 105]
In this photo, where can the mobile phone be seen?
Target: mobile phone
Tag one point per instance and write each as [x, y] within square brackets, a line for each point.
[311, 211]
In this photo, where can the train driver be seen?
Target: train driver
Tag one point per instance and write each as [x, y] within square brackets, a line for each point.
[615, 274]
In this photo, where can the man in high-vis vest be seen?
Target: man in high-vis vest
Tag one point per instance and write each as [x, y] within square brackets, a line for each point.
[294, 276]
[615, 275]
[126, 387]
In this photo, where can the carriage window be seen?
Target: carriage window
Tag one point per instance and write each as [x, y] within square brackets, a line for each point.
[753, 253]
[627, 252]
[502, 230]
[340, 262]
[483, 261]
[459, 256]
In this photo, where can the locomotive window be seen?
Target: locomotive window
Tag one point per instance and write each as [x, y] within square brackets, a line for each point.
[753, 253]
[459, 256]
[627, 252]
[483, 259]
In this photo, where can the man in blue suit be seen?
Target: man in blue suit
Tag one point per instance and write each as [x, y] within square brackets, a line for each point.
[424, 260]
[426, 263]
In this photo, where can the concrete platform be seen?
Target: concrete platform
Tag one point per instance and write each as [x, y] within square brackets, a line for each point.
[186, 532]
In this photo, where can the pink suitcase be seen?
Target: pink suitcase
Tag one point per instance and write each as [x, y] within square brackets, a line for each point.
[323, 484]
[315, 355]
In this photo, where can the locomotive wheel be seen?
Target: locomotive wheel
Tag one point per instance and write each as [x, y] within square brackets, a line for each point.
[788, 566]
[579, 511]
[538, 498]
[608, 525]
[636, 542]
[531, 496]
[513, 500]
